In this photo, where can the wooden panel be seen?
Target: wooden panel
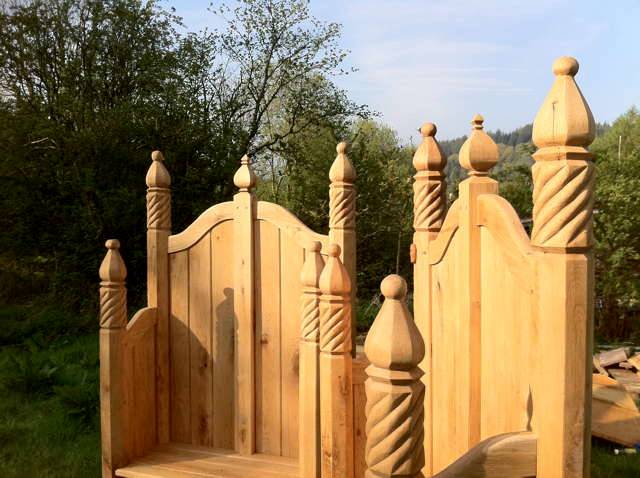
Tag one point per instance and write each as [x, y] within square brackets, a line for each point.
[359, 418]
[268, 339]
[450, 412]
[223, 336]
[142, 369]
[509, 341]
[291, 260]
[200, 327]
[179, 348]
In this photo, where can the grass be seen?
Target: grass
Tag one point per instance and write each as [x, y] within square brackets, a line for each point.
[49, 406]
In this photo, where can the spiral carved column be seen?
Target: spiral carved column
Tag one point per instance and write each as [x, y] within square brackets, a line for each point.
[310, 363]
[113, 320]
[395, 393]
[563, 190]
[336, 392]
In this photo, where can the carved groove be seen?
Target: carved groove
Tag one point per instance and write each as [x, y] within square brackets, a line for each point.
[562, 203]
[335, 328]
[113, 307]
[395, 441]
[342, 207]
[428, 204]
[310, 317]
[158, 210]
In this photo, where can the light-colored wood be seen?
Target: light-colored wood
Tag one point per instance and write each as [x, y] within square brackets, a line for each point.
[113, 320]
[158, 230]
[429, 206]
[395, 393]
[243, 304]
[342, 218]
[510, 455]
[612, 357]
[635, 361]
[615, 416]
[289, 224]
[310, 363]
[184, 461]
[563, 186]
[360, 364]
[202, 225]
[628, 379]
[336, 392]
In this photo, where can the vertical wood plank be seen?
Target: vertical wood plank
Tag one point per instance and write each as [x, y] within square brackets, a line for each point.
[179, 342]
[268, 340]
[200, 323]
[291, 260]
[223, 336]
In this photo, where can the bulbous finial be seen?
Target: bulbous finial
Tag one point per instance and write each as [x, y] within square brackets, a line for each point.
[429, 155]
[342, 169]
[479, 153]
[112, 268]
[394, 342]
[312, 266]
[393, 287]
[334, 278]
[245, 178]
[157, 175]
[564, 119]
[565, 65]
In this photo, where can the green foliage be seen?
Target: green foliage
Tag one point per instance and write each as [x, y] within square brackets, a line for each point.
[617, 229]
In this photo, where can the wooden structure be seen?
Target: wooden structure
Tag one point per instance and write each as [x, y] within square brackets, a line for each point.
[208, 377]
[242, 364]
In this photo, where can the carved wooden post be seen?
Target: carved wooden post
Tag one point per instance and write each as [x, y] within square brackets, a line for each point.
[244, 304]
[478, 155]
[310, 364]
[563, 178]
[429, 205]
[113, 320]
[395, 393]
[336, 393]
[158, 231]
[342, 217]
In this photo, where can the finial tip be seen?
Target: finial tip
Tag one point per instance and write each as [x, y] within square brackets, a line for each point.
[566, 65]
[478, 121]
[393, 287]
[333, 250]
[314, 246]
[157, 156]
[428, 129]
[112, 244]
[341, 148]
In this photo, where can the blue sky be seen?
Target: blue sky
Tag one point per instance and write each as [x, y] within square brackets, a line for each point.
[443, 61]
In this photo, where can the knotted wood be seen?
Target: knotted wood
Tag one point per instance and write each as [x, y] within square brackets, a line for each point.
[336, 392]
[395, 393]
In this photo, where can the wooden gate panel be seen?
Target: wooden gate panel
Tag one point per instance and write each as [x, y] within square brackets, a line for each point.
[508, 337]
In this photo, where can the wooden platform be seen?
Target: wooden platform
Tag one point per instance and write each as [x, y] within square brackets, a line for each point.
[187, 461]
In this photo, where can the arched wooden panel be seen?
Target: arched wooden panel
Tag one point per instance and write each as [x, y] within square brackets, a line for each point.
[201, 334]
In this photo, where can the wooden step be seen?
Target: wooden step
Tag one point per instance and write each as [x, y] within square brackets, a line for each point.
[187, 461]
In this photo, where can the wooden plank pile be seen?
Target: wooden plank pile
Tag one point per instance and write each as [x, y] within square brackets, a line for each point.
[616, 394]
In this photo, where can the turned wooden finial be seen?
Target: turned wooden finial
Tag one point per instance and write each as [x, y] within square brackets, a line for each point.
[429, 187]
[334, 279]
[563, 175]
[342, 170]
[245, 178]
[310, 277]
[158, 194]
[395, 393]
[479, 153]
[113, 294]
[342, 192]
[394, 341]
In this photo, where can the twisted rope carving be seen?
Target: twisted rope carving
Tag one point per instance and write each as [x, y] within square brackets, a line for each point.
[335, 328]
[342, 207]
[428, 204]
[395, 439]
[562, 203]
[310, 317]
[113, 307]
[158, 210]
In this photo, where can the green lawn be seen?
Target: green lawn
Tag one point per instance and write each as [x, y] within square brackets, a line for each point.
[49, 399]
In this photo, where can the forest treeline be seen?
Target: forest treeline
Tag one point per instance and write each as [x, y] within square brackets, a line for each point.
[91, 87]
